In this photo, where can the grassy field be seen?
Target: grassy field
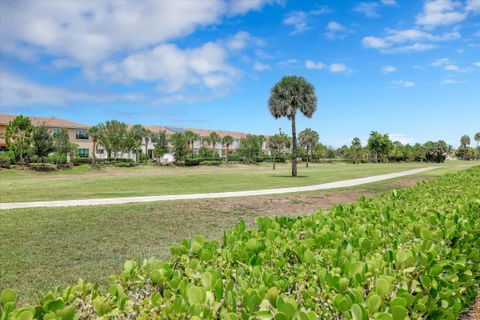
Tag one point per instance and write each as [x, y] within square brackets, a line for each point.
[83, 182]
[46, 247]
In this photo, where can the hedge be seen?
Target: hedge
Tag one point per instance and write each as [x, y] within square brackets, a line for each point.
[409, 254]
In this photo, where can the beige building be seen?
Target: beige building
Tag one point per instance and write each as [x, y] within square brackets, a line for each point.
[77, 132]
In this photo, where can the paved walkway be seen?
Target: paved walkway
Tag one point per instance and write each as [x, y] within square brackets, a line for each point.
[110, 201]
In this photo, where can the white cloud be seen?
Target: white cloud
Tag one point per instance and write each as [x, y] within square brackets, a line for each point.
[309, 64]
[477, 64]
[16, 91]
[389, 2]
[242, 7]
[338, 68]
[407, 40]
[448, 65]
[258, 66]
[239, 41]
[389, 69]
[447, 81]
[451, 67]
[369, 9]
[473, 6]
[298, 20]
[335, 30]
[403, 83]
[441, 62]
[175, 68]
[440, 13]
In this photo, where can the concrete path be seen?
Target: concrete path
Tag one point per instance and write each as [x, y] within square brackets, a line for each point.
[110, 201]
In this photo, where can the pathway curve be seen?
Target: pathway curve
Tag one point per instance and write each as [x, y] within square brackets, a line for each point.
[110, 201]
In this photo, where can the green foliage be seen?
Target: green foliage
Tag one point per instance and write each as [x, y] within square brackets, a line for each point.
[42, 143]
[250, 148]
[380, 145]
[277, 144]
[18, 137]
[113, 136]
[410, 254]
[61, 142]
[7, 158]
[205, 152]
[57, 158]
[178, 142]
[161, 145]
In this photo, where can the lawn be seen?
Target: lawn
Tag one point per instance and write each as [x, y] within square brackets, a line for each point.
[83, 182]
[45, 247]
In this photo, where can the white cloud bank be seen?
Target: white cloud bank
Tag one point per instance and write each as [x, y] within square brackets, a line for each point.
[333, 68]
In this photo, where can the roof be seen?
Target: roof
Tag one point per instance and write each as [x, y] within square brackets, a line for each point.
[221, 133]
[51, 122]
[167, 130]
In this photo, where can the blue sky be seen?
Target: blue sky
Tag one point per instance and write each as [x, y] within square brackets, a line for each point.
[407, 68]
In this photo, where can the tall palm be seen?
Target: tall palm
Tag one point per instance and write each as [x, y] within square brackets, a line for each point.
[147, 136]
[137, 134]
[191, 138]
[227, 141]
[94, 132]
[308, 139]
[464, 142]
[289, 95]
[214, 139]
[477, 138]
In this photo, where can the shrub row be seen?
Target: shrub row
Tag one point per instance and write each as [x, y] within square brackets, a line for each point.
[411, 254]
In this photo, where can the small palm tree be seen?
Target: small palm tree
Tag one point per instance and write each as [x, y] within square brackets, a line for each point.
[137, 134]
[94, 132]
[147, 136]
[477, 138]
[308, 139]
[191, 138]
[289, 95]
[214, 139]
[464, 142]
[227, 141]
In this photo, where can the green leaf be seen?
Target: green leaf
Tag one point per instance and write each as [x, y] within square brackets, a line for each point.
[357, 313]
[398, 312]
[374, 301]
[383, 287]
[8, 295]
[196, 295]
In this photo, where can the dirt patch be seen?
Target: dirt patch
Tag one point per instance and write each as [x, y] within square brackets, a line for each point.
[474, 313]
[410, 181]
[289, 205]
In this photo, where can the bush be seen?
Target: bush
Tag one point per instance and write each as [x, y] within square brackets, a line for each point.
[77, 161]
[412, 254]
[57, 158]
[7, 158]
[192, 162]
[211, 162]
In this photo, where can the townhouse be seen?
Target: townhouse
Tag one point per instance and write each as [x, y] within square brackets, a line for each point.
[78, 134]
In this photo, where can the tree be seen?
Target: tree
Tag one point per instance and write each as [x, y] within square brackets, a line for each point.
[41, 142]
[161, 145]
[227, 141]
[137, 133]
[179, 146]
[147, 136]
[289, 95]
[191, 138]
[94, 132]
[380, 145]
[308, 139]
[250, 147]
[464, 142]
[355, 151]
[477, 139]
[18, 137]
[114, 137]
[214, 139]
[276, 144]
[62, 144]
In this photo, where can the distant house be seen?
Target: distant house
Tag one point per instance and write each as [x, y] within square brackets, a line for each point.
[78, 134]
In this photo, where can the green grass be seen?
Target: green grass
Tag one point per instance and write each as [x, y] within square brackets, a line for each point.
[83, 182]
[44, 247]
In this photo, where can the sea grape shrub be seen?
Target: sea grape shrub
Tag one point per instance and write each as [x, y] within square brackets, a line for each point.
[409, 254]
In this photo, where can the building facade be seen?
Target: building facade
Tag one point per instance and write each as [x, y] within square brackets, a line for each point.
[78, 133]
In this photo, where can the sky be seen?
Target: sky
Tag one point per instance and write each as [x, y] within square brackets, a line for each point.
[403, 67]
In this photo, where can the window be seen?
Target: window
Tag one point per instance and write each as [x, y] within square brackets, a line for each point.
[56, 130]
[82, 152]
[81, 134]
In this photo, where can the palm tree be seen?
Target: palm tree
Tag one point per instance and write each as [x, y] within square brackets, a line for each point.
[227, 141]
[94, 132]
[276, 144]
[477, 138]
[137, 134]
[308, 139]
[191, 138]
[147, 135]
[464, 142]
[290, 94]
[214, 139]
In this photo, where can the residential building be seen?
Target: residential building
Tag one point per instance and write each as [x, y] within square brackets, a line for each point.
[77, 132]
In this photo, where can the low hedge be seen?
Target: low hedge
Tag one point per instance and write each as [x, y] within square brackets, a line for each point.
[410, 254]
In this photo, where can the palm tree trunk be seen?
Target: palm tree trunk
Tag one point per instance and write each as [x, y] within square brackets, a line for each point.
[294, 146]
[274, 161]
[94, 164]
[146, 148]
[307, 157]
